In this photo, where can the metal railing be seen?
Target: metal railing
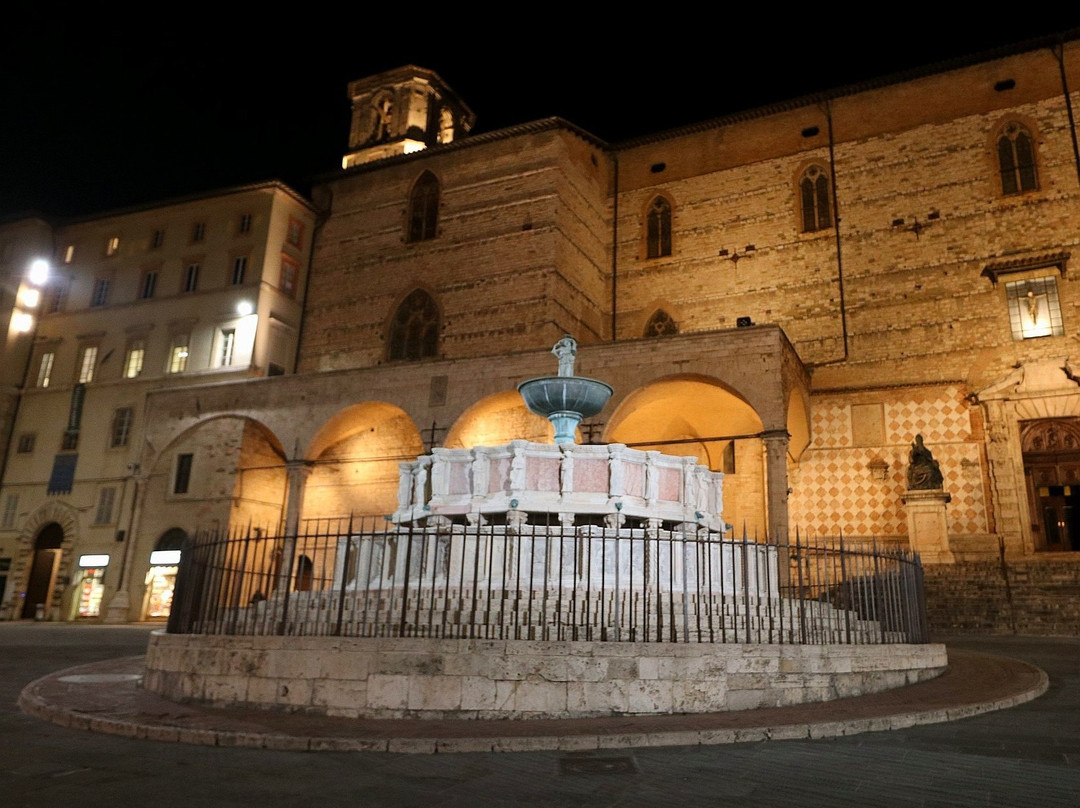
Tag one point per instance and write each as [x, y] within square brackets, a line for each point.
[559, 582]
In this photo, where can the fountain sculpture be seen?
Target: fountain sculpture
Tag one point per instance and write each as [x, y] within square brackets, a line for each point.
[537, 580]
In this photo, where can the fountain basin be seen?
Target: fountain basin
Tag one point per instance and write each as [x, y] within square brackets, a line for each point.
[565, 400]
[548, 395]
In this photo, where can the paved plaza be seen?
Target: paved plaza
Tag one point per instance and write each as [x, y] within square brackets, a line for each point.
[1028, 754]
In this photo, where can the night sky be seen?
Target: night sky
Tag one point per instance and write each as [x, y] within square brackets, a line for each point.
[98, 116]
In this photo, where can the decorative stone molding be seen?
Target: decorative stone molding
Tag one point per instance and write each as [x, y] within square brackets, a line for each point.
[465, 484]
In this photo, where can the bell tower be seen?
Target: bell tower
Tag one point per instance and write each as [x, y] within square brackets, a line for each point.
[403, 111]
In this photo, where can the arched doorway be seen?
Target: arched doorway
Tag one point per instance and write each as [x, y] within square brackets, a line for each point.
[46, 561]
[161, 577]
[1051, 452]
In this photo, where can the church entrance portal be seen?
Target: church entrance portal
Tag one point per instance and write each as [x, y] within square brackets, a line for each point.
[39, 587]
[1051, 450]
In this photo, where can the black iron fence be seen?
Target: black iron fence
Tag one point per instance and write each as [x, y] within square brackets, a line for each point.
[561, 582]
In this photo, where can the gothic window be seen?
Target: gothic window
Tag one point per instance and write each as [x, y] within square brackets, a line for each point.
[414, 331]
[661, 324]
[1034, 310]
[424, 208]
[1016, 159]
[814, 200]
[658, 228]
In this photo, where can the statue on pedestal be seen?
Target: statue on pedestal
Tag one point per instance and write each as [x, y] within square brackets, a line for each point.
[924, 473]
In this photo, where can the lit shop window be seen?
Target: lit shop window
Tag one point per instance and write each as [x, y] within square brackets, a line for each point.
[91, 584]
[1034, 310]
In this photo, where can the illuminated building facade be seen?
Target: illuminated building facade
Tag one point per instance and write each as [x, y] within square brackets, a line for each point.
[203, 290]
[791, 295]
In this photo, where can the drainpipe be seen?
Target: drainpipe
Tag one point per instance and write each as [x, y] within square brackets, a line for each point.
[320, 219]
[836, 230]
[615, 252]
[1059, 54]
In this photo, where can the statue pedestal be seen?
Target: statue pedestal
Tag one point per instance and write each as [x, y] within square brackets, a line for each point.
[928, 529]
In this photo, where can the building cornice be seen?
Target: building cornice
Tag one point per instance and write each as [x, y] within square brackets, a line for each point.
[847, 90]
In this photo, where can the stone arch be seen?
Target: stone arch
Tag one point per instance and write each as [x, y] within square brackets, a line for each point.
[353, 461]
[237, 477]
[700, 416]
[661, 323]
[1014, 155]
[814, 191]
[498, 419]
[422, 214]
[657, 214]
[798, 424]
[1018, 409]
[48, 536]
[171, 539]
[414, 327]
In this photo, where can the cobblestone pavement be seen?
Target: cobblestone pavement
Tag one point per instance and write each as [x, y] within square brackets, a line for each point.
[1028, 754]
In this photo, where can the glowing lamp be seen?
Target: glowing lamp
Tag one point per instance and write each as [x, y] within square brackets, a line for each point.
[39, 271]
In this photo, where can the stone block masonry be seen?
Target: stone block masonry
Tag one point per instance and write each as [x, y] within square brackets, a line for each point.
[405, 678]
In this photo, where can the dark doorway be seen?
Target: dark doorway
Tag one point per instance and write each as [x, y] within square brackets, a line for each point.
[305, 573]
[40, 585]
[1051, 449]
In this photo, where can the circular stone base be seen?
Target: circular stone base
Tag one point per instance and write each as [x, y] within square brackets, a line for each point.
[436, 678]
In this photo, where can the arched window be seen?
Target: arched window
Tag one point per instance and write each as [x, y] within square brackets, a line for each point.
[1016, 159]
[814, 199]
[423, 208]
[661, 324]
[414, 331]
[658, 228]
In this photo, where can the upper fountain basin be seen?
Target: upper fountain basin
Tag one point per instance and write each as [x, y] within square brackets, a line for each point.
[551, 394]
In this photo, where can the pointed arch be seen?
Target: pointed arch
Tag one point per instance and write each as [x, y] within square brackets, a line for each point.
[414, 328]
[661, 324]
[1015, 147]
[814, 193]
[423, 214]
[658, 228]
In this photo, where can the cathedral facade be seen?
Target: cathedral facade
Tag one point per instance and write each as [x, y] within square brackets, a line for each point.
[798, 296]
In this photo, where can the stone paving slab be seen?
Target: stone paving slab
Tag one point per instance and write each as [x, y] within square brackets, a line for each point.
[107, 697]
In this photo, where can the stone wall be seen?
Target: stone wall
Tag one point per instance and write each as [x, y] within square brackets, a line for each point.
[1038, 596]
[425, 678]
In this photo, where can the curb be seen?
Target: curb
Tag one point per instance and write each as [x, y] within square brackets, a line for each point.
[106, 718]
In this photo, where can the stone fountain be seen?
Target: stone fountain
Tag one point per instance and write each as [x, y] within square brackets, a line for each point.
[536, 580]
